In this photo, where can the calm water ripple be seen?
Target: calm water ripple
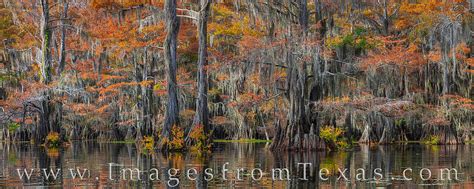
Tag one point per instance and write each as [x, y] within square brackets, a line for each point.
[247, 166]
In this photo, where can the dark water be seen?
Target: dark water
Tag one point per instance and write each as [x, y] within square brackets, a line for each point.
[391, 161]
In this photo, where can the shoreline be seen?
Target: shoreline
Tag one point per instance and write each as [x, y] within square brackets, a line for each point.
[248, 141]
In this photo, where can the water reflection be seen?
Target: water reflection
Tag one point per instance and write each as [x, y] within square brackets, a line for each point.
[245, 163]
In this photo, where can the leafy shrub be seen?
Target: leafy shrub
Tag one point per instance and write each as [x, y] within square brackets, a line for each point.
[333, 137]
[358, 40]
[177, 139]
[53, 139]
[431, 140]
[400, 122]
[148, 143]
[12, 127]
[200, 138]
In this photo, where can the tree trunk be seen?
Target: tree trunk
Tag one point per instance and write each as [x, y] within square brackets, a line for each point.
[318, 14]
[50, 114]
[46, 35]
[303, 15]
[445, 59]
[62, 50]
[385, 18]
[172, 28]
[138, 92]
[202, 109]
[147, 93]
[298, 134]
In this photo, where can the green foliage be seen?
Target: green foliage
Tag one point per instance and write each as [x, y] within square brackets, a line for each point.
[431, 140]
[359, 31]
[158, 86]
[400, 122]
[148, 143]
[242, 141]
[11, 78]
[346, 40]
[333, 137]
[358, 39]
[12, 127]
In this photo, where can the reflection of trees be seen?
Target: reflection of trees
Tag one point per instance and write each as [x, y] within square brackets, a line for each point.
[49, 159]
[201, 162]
[392, 159]
[387, 162]
[290, 160]
[145, 162]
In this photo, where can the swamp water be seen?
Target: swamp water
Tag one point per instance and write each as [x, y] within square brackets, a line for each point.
[246, 166]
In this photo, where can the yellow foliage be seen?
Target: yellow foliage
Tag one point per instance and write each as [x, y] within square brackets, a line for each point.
[333, 41]
[200, 138]
[53, 139]
[177, 139]
[221, 11]
[109, 4]
[229, 23]
[148, 143]
[333, 137]
[52, 152]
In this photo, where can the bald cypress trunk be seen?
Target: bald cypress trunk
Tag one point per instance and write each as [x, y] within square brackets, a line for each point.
[148, 100]
[62, 50]
[47, 122]
[385, 18]
[172, 28]
[303, 15]
[202, 109]
[46, 35]
[298, 134]
[317, 4]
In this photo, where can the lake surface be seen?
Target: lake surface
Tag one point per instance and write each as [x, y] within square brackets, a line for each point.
[383, 166]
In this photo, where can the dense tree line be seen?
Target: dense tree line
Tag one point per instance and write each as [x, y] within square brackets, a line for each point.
[175, 74]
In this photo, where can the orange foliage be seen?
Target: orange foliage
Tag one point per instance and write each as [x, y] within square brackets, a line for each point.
[116, 4]
[459, 101]
[393, 51]
[177, 139]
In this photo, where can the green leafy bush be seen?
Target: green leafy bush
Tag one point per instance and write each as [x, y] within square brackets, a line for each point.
[333, 137]
[431, 140]
[12, 127]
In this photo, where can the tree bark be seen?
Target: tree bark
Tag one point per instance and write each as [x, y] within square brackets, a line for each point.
[202, 109]
[62, 50]
[48, 120]
[147, 101]
[319, 15]
[299, 134]
[46, 35]
[385, 18]
[172, 28]
[303, 15]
